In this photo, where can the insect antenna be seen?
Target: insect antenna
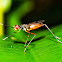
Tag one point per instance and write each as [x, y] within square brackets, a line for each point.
[8, 36]
[6, 25]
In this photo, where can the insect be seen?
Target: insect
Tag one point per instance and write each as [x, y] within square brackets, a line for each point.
[28, 27]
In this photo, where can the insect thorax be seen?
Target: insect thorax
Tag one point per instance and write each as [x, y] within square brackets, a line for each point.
[24, 27]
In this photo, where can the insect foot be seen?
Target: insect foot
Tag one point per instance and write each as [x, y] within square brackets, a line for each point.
[5, 38]
[58, 39]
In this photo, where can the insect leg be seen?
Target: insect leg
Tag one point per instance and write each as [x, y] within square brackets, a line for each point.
[26, 41]
[52, 33]
[30, 32]
[30, 40]
[8, 36]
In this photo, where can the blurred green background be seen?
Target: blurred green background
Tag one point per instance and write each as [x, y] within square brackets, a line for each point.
[44, 47]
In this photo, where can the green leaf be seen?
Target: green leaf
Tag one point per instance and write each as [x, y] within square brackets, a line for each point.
[44, 48]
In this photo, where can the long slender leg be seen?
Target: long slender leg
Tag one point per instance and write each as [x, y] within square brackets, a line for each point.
[8, 36]
[52, 33]
[30, 40]
[11, 34]
[26, 41]
[30, 32]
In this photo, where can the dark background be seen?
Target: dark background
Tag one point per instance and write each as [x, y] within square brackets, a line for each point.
[49, 10]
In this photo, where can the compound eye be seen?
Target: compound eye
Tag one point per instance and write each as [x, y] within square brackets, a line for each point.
[16, 26]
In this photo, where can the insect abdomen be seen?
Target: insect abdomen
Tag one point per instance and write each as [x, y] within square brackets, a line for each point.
[34, 26]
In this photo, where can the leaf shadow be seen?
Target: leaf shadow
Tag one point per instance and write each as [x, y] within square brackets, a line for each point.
[53, 40]
[36, 40]
[32, 40]
[39, 38]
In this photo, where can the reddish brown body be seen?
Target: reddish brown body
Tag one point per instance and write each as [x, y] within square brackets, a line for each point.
[34, 26]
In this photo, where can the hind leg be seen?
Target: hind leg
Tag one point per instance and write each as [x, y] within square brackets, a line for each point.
[57, 38]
